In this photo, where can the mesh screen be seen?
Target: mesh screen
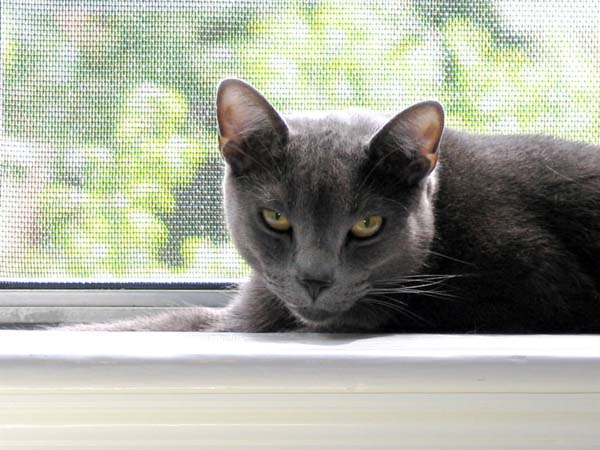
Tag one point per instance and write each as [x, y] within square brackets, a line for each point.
[109, 168]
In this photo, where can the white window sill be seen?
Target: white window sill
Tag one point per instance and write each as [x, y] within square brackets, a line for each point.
[231, 391]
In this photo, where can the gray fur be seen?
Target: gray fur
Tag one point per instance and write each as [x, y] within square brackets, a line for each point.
[502, 236]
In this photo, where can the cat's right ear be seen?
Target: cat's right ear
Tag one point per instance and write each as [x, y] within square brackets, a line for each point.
[248, 124]
[407, 146]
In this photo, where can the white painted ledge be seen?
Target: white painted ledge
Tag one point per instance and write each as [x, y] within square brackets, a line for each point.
[233, 391]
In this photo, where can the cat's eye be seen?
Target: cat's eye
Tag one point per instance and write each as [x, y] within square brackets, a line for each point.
[367, 227]
[276, 220]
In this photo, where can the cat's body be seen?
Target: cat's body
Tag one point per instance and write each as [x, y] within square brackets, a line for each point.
[524, 213]
[355, 222]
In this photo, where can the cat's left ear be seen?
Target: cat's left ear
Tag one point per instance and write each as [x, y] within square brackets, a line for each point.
[247, 123]
[407, 146]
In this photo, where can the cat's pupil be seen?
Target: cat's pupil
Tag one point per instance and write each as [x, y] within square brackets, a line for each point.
[277, 215]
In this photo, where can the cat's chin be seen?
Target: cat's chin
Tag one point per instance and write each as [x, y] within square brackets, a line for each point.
[356, 318]
[347, 321]
[315, 315]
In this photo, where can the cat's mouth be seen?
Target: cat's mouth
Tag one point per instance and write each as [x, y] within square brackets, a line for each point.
[315, 315]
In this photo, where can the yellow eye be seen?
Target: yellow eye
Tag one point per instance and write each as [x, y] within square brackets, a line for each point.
[276, 220]
[367, 227]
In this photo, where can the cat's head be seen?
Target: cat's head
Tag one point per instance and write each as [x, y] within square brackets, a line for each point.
[326, 207]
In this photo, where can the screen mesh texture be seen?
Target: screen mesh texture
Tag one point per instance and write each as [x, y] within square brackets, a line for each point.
[109, 166]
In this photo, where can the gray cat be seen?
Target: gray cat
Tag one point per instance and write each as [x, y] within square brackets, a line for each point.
[355, 222]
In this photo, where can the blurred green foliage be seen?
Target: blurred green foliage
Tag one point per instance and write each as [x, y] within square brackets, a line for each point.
[122, 96]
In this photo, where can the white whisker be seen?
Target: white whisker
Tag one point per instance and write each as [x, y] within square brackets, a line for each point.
[393, 304]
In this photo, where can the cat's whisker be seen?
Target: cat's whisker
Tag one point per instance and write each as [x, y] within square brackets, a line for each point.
[422, 285]
[407, 290]
[393, 304]
[433, 275]
[438, 295]
[394, 300]
[409, 281]
[441, 255]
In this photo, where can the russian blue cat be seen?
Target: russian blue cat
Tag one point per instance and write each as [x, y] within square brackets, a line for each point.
[354, 221]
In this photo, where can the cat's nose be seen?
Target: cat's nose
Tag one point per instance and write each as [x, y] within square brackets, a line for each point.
[315, 286]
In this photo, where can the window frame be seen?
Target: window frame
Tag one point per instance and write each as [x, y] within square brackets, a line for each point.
[39, 304]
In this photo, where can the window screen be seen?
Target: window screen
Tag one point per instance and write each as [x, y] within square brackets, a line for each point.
[109, 166]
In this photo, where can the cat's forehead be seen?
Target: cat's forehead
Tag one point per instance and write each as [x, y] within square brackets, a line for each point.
[325, 156]
[342, 130]
[329, 143]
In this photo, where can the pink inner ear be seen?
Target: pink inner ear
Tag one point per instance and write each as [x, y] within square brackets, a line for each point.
[241, 110]
[427, 124]
[231, 124]
[234, 114]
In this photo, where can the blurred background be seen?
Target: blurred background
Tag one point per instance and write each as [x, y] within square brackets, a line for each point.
[109, 165]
